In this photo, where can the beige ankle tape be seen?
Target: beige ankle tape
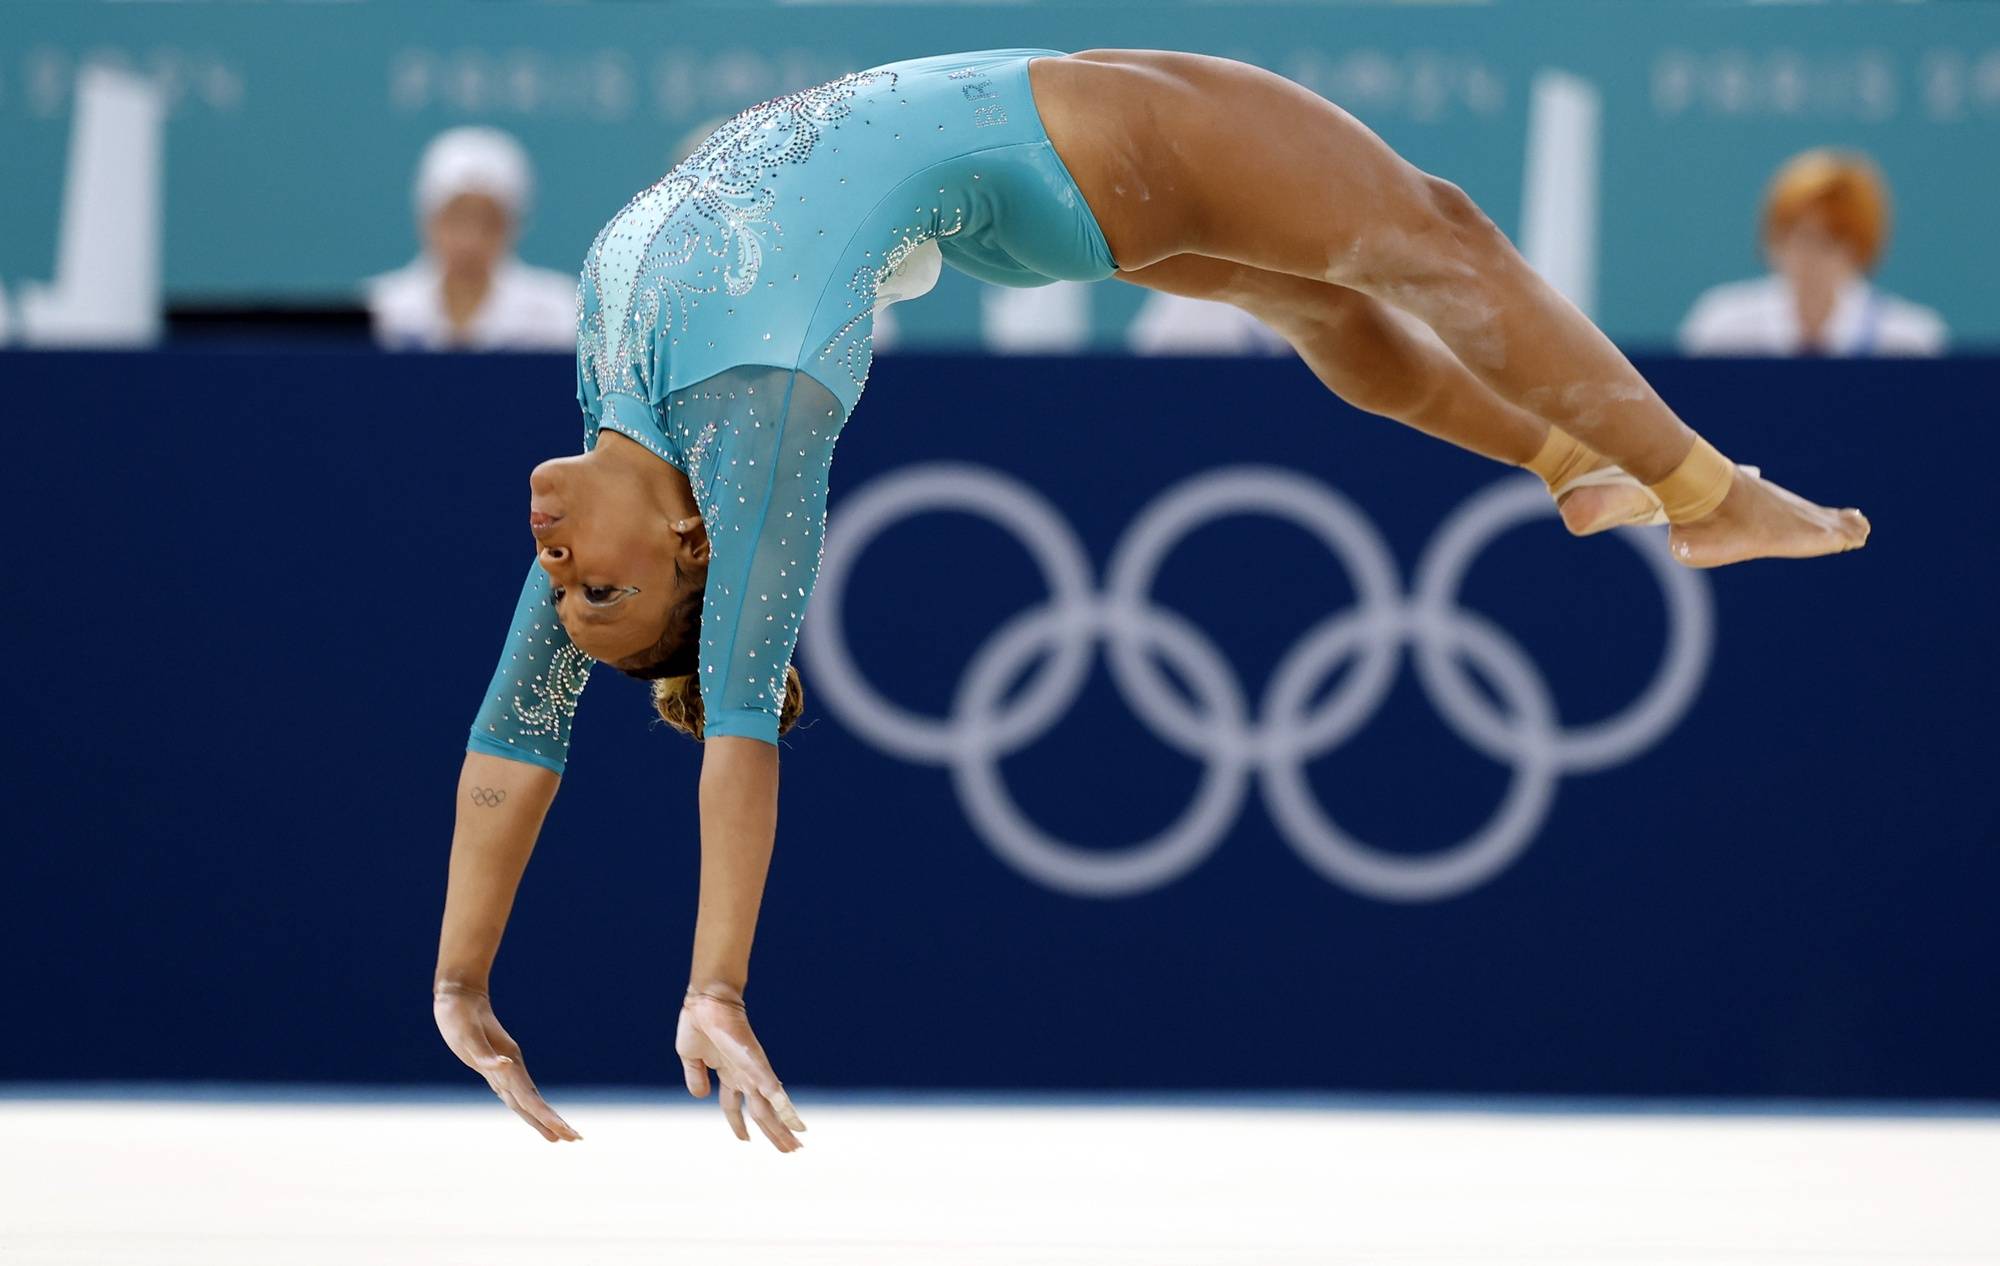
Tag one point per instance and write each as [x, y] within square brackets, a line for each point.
[1694, 488]
[1561, 459]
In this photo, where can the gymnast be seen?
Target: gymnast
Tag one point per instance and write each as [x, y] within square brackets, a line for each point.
[724, 336]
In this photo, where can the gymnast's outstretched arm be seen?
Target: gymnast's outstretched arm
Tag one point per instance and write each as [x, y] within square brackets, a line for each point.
[501, 806]
[764, 480]
[739, 824]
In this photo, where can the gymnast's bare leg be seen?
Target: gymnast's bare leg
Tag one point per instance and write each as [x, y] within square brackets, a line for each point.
[1384, 361]
[1180, 154]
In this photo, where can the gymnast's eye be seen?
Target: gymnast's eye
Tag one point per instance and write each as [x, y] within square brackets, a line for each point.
[597, 595]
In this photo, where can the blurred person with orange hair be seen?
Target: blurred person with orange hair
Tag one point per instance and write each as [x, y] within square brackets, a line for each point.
[467, 290]
[1826, 225]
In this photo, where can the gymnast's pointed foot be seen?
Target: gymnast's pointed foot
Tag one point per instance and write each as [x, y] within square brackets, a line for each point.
[1758, 519]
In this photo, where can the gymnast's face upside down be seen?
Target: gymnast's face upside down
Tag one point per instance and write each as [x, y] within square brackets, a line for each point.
[626, 556]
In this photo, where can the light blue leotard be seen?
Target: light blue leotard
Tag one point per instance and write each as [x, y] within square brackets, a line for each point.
[725, 323]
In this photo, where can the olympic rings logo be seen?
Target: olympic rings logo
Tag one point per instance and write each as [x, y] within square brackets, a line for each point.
[1287, 730]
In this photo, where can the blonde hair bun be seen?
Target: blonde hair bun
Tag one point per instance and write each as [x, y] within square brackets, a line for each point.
[678, 701]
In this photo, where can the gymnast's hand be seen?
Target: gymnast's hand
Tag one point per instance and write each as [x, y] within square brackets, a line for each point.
[715, 1033]
[466, 1019]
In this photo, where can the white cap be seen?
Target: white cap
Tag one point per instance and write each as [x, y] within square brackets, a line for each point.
[474, 160]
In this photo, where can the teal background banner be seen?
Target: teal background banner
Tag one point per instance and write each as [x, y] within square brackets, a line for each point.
[294, 129]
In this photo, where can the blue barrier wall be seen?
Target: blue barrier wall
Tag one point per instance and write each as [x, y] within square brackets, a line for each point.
[254, 600]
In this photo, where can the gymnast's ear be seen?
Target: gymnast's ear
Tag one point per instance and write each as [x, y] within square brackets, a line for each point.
[694, 547]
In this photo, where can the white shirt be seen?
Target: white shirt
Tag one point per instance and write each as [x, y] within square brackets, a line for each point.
[527, 309]
[1175, 325]
[1761, 318]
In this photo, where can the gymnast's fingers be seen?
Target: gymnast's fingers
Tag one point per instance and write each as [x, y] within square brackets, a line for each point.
[530, 1098]
[518, 1090]
[695, 1073]
[541, 1127]
[732, 1108]
[767, 1121]
[781, 1103]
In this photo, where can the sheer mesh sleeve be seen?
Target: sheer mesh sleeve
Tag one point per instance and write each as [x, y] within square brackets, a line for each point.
[761, 443]
[533, 695]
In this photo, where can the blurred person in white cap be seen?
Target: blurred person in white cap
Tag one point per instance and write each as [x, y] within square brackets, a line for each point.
[1825, 227]
[466, 290]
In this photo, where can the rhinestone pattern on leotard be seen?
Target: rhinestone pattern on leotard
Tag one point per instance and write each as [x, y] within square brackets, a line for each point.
[535, 690]
[716, 205]
[554, 694]
[852, 348]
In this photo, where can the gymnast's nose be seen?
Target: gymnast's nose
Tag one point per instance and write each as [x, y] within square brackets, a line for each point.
[555, 563]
